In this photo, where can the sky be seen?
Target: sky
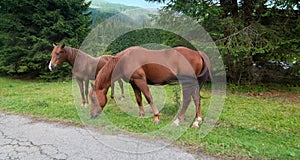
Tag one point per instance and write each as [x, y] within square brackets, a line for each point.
[138, 3]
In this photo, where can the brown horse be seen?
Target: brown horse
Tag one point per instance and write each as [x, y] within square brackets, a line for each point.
[140, 67]
[84, 67]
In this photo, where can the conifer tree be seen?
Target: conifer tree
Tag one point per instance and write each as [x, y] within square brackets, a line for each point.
[29, 27]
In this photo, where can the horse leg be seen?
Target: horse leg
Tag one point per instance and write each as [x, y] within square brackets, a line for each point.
[142, 85]
[138, 97]
[86, 93]
[197, 102]
[112, 92]
[122, 88]
[186, 93]
[80, 84]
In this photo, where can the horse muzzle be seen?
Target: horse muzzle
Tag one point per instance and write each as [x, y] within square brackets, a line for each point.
[51, 67]
[94, 115]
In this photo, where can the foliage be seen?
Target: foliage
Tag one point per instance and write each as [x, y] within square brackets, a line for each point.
[249, 34]
[102, 10]
[29, 27]
[147, 37]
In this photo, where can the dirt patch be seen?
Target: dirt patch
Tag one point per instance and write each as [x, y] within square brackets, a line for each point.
[284, 95]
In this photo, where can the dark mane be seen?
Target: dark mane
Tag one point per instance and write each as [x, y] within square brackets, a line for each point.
[108, 68]
[72, 54]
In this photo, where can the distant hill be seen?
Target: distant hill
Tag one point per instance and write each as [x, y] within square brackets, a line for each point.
[136, 3]
[107, 6]
[102, 10]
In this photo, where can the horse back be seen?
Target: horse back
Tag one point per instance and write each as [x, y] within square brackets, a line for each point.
[160, 66]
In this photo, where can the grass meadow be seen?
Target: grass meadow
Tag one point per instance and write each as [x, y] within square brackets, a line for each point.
[257, 122]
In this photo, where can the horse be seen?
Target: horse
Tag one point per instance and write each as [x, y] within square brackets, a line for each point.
[140, 67]
[84, 67]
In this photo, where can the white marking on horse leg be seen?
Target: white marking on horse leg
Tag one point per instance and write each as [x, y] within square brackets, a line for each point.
[85, 105]
[176, 122]
[197, 121]
[50, 66]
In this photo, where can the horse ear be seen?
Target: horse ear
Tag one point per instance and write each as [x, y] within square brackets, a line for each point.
[53, 44]
[63, 46]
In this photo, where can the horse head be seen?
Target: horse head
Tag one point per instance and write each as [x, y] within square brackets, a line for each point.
[98, 92]
[95, 109]
[58, 56]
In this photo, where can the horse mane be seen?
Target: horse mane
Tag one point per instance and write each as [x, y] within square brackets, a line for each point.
[73, 53]
[105, 74]
[101, 62]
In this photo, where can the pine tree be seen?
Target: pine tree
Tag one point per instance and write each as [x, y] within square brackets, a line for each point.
[29, 27]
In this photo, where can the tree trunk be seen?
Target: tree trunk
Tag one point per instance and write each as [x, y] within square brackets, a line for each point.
[230, 8]
[247, 11]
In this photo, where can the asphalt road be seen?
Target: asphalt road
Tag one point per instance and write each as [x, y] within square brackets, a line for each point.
[24, 138]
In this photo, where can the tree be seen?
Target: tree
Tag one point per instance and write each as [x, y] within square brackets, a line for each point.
[248, 33]
[29, 27]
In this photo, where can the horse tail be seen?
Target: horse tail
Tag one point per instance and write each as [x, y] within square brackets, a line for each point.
[206, 70]
[206, 61]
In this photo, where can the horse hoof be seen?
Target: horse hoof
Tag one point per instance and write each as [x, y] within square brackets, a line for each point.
[141, 115]
[195, 125]
[84, 105]
[199, 120]
[176, 123]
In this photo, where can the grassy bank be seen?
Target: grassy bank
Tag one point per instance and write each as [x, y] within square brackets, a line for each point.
[256, 122]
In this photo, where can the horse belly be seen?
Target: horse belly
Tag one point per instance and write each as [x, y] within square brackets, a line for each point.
[158, 74]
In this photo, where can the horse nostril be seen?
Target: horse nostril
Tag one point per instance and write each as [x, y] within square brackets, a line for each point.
[93, 116]
[53, 67]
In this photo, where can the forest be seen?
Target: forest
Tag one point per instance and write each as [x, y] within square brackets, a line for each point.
[258, 40]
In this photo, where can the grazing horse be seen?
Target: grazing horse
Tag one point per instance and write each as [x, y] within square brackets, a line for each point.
[84, 67]
[140, 66]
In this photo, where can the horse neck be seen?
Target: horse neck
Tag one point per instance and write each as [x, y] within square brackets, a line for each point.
[72, 54]
[103, 79]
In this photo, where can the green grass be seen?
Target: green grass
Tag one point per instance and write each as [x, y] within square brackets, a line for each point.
[257, 122]
[50, 101]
